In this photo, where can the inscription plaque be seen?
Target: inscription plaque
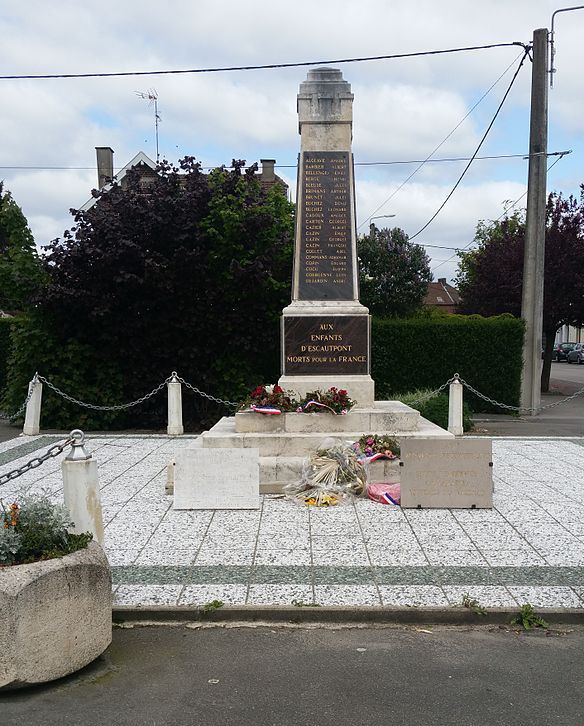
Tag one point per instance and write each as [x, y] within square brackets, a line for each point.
[446, 473]
[325, 259]
[332, 344]
[217, 479]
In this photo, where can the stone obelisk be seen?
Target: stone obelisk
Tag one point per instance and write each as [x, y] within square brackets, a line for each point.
[326, 338]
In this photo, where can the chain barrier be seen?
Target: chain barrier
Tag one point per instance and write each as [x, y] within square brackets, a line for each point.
[50, 453]
[506, 406]
[94, 407]
[172, 378]
[6, 417]
[208, 396]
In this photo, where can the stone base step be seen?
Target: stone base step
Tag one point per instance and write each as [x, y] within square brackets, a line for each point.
[288, 444]
[382, 416]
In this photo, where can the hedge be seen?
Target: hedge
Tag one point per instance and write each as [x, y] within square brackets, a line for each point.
[415, 353]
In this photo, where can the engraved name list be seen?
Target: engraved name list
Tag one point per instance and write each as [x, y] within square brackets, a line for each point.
[325, 268]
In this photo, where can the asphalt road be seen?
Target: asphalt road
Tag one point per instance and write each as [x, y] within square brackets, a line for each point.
[566, 377]
[278, 677]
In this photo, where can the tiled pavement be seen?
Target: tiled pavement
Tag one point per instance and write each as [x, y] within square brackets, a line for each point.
[529, 548]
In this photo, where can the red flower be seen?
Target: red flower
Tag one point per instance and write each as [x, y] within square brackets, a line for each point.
[342, 392]
[258, 392]
[278, 389]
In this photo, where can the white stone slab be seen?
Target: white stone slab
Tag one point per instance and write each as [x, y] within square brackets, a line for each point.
[217, 479]
[447, 473]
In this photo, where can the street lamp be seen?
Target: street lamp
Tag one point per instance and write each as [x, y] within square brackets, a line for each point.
[380, 216]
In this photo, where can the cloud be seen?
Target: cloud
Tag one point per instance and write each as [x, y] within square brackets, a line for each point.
[403, 108]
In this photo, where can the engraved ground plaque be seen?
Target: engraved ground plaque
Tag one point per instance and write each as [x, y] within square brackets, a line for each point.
[446, 473]
[217, 479]
[334, 344]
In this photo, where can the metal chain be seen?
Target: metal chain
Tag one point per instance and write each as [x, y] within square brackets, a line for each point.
[493, 402]
[557, 403]
[487, 399]
[6, 417]
[208, 396]
[93, 407]
[50, 453]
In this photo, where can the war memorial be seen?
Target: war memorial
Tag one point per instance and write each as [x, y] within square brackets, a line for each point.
[326, 342]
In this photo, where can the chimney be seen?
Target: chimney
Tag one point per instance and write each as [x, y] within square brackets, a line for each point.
[105, 165]
[268, 173]
[442, 280]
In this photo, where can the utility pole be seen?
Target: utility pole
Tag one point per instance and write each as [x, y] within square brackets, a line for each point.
[534, 254]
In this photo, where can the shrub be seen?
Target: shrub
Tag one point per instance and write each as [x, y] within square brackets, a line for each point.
[72, 366]
[424, 352]
[36, 529]
[435, 409]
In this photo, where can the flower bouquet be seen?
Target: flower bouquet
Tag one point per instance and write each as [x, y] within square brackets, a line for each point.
[335, 400]
[372, 447]
[329, 476]
[272, 400]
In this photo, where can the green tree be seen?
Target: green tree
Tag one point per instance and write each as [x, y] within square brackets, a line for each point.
[393, 272]
[490, 276]
[20, 268]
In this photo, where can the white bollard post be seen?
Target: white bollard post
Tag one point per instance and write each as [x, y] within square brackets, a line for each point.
[32, 417]
[81, 489]
[175, 420]
[455, 407]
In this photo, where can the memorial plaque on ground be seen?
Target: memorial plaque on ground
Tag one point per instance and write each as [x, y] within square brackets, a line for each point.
[449, 473]
[217, 479]
[317, 344]
[325, 260]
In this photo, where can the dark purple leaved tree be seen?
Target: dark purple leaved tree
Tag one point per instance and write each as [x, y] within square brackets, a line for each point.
[490, 276]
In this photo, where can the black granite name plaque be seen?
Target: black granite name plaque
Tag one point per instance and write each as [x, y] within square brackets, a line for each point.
[325, 262]
[326, 345]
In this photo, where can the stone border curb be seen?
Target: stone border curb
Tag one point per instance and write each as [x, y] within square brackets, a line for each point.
[356, 615]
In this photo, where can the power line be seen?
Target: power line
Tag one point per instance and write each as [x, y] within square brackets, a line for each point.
[467, 167]
[268, 66]
[515, 203]
[444, 140]
[459, 158]
[294, 166]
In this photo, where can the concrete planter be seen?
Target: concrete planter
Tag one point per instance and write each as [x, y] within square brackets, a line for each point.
[55, 616]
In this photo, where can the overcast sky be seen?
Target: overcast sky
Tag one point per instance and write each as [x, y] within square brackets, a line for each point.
[403, 109]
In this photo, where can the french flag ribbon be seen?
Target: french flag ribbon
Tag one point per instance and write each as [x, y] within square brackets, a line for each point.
[389, 498]
[379, 455]
[270, 410]
[320, 405]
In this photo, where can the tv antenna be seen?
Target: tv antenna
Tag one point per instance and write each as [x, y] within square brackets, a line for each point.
[152, 97]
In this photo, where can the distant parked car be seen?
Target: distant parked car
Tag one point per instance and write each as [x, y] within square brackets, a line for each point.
[576, 355]
[561, 351]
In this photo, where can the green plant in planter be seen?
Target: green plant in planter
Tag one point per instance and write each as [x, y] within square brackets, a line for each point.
[36, 529]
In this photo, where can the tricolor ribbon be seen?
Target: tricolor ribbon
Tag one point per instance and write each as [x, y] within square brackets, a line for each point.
[270, 410]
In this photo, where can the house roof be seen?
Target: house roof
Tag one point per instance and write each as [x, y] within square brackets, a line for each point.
[441, 293]
[140, 158]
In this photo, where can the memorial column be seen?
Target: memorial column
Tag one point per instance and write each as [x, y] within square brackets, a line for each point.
[326, 337]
